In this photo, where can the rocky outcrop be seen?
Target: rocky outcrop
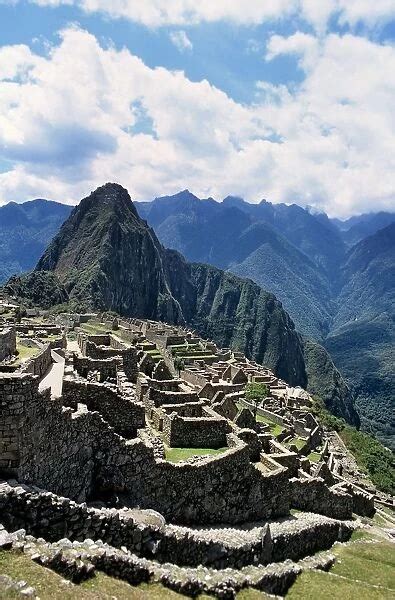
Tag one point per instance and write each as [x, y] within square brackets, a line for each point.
[108, 258]
[325, 381]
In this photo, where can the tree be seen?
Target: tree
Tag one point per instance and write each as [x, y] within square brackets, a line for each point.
[256, 393]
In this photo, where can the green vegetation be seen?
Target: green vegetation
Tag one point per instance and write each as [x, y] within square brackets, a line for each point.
[153, 352]
[364, 570]
[326, 382]
[314, 457]
[24, 353]
[256, 392]
[94, 327]
[179, 454]
[41, 289]
[250, 594]
[373, 563]
[371, 456]
[275, 429]
[50, 586]
[317, 585]
[298, 442]
[182, 349]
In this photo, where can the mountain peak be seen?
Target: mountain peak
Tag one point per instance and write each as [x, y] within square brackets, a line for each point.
[111, 194]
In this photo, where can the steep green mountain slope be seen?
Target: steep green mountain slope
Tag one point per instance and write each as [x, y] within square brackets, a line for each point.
[36, 289]
[25, 231]
[106, 257]
[275, 264]
[248, 241]
[316, 238]
[362, 340]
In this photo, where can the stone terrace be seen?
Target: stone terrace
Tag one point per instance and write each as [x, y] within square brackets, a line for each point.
[153, 418]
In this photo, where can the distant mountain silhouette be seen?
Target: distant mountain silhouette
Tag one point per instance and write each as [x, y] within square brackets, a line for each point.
[25, 230]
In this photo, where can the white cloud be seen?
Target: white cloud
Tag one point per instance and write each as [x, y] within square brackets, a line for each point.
[157, 13]
[181, 40]
[370, 12]
[305, 46]
[77, 118]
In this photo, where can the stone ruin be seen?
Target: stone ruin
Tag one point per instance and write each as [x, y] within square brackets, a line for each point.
[85, 441]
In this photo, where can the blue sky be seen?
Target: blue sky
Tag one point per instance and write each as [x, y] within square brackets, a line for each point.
[225, 100]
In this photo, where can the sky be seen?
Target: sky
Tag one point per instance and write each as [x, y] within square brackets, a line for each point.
[287, 100]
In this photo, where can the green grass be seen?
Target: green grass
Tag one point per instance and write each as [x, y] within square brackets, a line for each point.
[361, 534]
[179, 454]
[24, 353]
[314, 457]
[122, 334]
[371, 456]
[364, 570]
[251, 594]
[50, 586]
[275, 429]
[93, 327]
[176, 348]
[373, 563]
[316, 585]
[380, 520]
[153, 353]
[298, 442]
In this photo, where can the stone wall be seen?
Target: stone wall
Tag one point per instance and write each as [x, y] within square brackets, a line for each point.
[200, 432]
[39, 364]
[363, 502]
[55, 518]
[226, 408]
[87, 343]
[189, 409]
[7, 343]
[104, 347]
[314, 496]
[107, 367]
[210, 389]
[298, 540]
[60, 342]
[121, 413]
[16, 390]
[195, 377]
[76, 454]
[46, 515]
[157, 397]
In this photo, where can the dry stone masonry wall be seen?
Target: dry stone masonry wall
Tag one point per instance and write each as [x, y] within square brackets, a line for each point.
[108, 441]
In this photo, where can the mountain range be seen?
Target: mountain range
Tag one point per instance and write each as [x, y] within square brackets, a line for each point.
[334, 278]
[25, 231]
[105, 257]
